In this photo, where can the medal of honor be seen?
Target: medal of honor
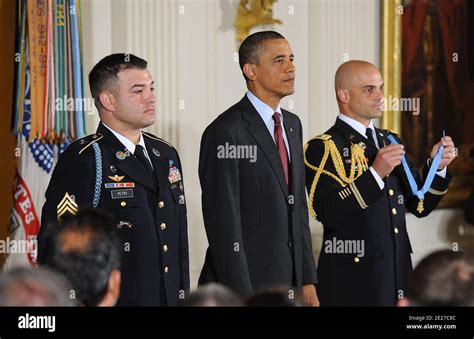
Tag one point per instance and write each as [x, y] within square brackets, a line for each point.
[420, 193]
[420, 208]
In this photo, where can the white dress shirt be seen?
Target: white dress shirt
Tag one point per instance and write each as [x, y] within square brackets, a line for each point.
[128, 144]
[266, 113]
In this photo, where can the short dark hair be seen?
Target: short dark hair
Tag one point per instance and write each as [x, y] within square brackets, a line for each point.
[106, 70]
[212, 294]
[86, 249]
[443, 278]
[249, 50]
[27, 286]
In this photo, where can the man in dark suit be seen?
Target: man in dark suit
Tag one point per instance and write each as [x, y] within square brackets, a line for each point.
[135, 176]
[252, 179]
[359, 191]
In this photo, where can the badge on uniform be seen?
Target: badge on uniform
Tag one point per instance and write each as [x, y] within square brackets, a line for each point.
[362, 145]
[119, 185]
[116, 178]
[124, 224]
[173, 174]
[122, 194]
[122, 155]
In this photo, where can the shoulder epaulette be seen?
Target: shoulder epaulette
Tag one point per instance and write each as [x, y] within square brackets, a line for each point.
[151, 136]
[88, 140]
[323, 137]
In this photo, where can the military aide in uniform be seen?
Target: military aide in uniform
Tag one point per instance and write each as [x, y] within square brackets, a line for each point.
[133, 175]
[359, 190]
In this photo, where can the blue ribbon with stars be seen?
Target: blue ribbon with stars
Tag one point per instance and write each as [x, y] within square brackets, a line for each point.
[429, 179]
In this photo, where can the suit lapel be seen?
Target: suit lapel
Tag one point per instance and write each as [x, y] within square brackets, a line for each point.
[125, 161]
[259, 132]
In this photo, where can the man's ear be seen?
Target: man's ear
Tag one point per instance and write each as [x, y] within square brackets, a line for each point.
[249, 71]
[107, 100]
[343, 95]
[113, 289]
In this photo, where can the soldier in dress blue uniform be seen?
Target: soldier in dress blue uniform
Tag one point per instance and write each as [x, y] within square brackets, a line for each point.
[135, 176]
[359, 190]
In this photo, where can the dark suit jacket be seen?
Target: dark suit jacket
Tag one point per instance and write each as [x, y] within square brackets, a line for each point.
[257, 229]
[361, 211]
[155, 265]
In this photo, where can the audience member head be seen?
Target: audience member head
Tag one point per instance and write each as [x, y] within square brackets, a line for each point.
[212, 295]
[443, 278]
[86, 249]
[27, 286]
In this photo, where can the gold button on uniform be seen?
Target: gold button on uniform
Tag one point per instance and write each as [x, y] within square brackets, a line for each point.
[356, 259]
[161, 204]
[390, 191]
[166, 269]
[165, 248]
[394, 211]
[162, 226]
[123, 204]
[395, 230]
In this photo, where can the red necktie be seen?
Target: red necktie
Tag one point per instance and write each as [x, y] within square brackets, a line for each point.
[280, 144]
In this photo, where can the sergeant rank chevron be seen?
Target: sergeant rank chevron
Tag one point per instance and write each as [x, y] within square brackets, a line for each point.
[66, 205]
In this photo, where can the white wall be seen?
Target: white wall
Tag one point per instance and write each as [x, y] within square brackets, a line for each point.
[191, 52]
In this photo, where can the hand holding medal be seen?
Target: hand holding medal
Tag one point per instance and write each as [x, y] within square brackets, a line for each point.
[449, 152]
[440, 159]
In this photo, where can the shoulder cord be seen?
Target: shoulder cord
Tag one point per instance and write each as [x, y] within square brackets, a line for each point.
[357, 157]
[98, 175]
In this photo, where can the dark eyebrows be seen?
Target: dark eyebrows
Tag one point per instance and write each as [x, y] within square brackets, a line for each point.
[141, 85]
[282, 56]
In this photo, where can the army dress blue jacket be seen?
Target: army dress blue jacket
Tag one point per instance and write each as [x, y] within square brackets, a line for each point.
[150, 212]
